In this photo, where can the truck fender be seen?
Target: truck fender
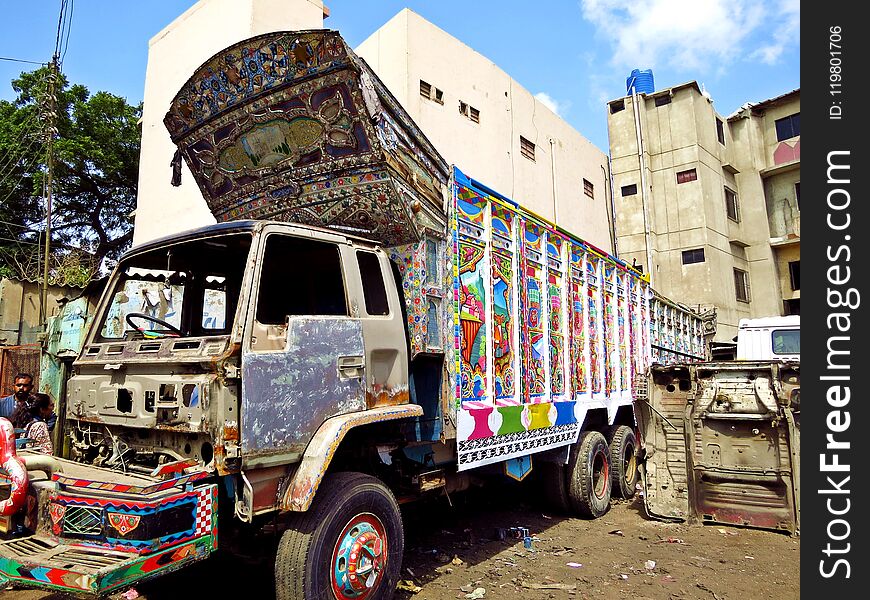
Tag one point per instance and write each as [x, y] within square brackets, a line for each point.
[298, 492]
[14, 467]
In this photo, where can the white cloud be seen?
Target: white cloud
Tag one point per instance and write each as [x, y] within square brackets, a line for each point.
[560, 108]
[692, 35]
[788, 32]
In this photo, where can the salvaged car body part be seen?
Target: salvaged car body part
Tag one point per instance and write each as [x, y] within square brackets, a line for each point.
[722, 444]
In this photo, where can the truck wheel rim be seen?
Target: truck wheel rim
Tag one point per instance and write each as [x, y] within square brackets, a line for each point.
[600, 475]
[359, 557]
[629, 464]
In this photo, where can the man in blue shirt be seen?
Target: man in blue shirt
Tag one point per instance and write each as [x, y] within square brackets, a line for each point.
[23, 386]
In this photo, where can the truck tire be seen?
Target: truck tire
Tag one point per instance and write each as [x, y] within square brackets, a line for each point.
[554, 484]
[589, 481]
[349, 545]
[623, 461]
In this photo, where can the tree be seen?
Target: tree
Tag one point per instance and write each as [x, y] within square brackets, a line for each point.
[95, 173]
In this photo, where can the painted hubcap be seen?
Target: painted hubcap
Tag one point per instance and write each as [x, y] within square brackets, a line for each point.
[359, 557]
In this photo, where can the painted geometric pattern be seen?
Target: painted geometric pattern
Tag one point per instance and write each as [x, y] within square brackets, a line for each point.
[84, 516]
[111, 576]
[250, 68]
[293, 127]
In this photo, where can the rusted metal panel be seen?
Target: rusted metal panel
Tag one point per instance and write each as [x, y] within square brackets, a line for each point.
[298, 491]
[722, 441]
[287, 394]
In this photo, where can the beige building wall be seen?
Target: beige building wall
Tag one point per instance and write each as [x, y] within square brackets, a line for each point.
[19, 309]
[408, 49]
[679, 133]
[173, 55]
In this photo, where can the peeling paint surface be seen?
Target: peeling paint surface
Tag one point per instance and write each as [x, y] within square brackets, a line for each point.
[299, 491]
[723, 444]
[288, 393]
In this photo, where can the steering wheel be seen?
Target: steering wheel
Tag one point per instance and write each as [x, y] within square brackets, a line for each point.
[130, 316]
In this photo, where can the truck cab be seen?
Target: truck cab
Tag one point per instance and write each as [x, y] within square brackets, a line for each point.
[769, 338]
[215, 358]
[285, 324]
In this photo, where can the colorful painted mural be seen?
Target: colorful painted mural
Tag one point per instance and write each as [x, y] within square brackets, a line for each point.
[537, 330]
[264, 139]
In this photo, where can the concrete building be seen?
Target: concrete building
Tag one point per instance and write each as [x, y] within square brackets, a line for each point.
[476, 116]
[710, 204]
[173, 55]
[491, 127]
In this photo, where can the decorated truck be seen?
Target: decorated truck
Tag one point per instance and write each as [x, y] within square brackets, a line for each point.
[363, 326]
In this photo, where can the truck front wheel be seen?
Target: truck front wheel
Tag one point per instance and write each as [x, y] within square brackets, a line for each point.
[348, 546]
[589, 481]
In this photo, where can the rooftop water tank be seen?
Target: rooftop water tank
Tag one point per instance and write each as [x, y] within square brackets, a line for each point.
[641, 80]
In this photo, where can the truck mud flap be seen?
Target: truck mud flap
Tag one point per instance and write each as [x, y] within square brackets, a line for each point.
[38, 561]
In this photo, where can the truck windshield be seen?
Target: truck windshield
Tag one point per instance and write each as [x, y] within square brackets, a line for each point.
[180, 290]
[786, 341]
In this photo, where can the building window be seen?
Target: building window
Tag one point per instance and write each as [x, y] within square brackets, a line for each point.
[588, 188]
[792, 307]
[617, 106]
[731, 206]
[788, 127]
[469, 111]
[797, 194]
[687, 176]
[629, 190]
[430, 92]
[663, 99]
[741, 285]
[794, 274]
[720, 131]
[527, 148]
[691, 257]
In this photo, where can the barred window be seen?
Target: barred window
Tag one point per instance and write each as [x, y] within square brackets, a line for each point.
[430, 92]
[732, 209]
[469, 111]
[741, 285]
[527, 148]
[693, 256]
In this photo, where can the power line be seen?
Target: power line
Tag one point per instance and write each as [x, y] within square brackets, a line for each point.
[21, 60]
[68, 29]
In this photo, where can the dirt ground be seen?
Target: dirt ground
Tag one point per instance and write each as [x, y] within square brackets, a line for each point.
[454, 552]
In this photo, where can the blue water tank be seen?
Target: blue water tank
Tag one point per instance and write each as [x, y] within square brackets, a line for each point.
[641, 80]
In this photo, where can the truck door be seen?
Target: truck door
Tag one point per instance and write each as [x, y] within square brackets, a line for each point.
[303, 357]
[384, 331]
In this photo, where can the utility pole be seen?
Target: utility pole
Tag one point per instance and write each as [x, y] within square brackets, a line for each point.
[51, 120]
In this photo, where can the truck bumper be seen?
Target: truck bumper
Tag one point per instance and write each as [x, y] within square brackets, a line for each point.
[93, 543]
[38, 561]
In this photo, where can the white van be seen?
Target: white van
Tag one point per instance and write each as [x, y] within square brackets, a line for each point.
[769, 338]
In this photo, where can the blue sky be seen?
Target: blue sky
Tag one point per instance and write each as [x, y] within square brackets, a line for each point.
[574, 54]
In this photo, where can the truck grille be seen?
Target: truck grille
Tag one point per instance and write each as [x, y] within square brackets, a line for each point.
[83, 520]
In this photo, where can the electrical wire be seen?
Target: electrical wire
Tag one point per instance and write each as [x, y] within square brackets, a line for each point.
[21, 60]
[68, 29]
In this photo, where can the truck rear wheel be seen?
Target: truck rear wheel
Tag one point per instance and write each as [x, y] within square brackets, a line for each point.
[589, 481]
[623, 461]
[554, 484]
[348, 546]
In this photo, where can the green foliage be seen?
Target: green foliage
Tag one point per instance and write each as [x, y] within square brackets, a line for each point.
[95, 175]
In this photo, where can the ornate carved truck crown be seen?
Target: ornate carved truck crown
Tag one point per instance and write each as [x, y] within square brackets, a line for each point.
[293, 126]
